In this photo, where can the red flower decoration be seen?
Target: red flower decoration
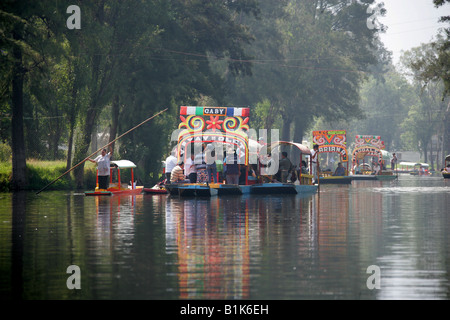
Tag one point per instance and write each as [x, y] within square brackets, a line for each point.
[214, 123]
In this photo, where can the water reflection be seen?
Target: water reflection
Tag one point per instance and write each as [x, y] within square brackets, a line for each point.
[212, 247]
[248, 247]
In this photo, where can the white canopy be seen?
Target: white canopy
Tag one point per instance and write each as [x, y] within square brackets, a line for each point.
[412, 164]
[124, 164]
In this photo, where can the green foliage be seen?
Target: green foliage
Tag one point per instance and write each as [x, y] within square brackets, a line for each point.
[5, 152]
[292, 61]
[310, 61]
[41, 173]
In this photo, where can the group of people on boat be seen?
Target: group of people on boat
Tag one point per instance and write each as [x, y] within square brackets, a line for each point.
[203, 167]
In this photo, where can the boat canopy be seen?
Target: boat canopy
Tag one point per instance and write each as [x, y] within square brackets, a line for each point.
[123, 164]
[407, 164]
[303, 149]
[412, 164]
[386, 155]
[215, 125]
[334, 141]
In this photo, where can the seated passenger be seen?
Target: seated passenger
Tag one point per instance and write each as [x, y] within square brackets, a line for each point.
[340, 170]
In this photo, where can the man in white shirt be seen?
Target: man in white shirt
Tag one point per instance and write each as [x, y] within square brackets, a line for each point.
[171, 162]
[314, 160]
[103, 168]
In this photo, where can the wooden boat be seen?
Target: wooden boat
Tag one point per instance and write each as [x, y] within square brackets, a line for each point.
[365, 146]
[191, 190]
[363, 177]
[303, 182]
[156, 189]
[117, 188]
[228, 127]
[226, 189]
[273, 188]
[332, 141]
[335, 179]
[446, 171]
[386, 175]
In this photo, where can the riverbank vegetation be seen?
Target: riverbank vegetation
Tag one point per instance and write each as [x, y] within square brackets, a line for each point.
[41, 173]
[69, 88]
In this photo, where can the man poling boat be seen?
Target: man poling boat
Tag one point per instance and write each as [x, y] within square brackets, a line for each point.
[106, 146]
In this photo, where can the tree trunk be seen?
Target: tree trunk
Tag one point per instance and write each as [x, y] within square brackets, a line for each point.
[299, 131]
[82, 145]
[19, 178]
[446, 143]
[286, 130]
[115, 120]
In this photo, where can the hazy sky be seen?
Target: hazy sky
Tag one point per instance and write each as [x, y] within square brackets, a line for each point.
[410, 23]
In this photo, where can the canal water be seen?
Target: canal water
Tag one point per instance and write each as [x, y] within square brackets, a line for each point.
[368, 240]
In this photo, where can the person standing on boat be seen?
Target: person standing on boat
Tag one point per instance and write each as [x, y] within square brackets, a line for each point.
[103, 162]
[393, 162]
[171, 162]
[314, 161]
[211, 168]
[285, 166]
[233, 168]
[200, 166]
[190, 169]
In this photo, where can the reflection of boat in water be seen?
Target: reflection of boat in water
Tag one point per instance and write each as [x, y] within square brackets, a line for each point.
[118, 188]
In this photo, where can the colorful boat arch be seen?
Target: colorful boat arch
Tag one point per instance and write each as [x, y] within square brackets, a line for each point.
[367, 145]
[332, 141]
[218, 125]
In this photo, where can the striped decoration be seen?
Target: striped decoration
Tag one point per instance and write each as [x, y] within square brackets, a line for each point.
[215, 111]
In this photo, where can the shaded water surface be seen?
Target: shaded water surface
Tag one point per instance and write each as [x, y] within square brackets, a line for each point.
[248, 247]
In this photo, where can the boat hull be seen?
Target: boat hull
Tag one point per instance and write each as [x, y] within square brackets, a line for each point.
[155, 191]
[273, 188]
[227, 189]
[386, 177]
[194, 190]
[363, 177]
[336, 180]
[281, 188]
[112, 191]
[446, 175]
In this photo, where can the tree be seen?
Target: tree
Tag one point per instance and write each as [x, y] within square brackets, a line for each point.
[314, 65]
[435, 107]
[27, 30]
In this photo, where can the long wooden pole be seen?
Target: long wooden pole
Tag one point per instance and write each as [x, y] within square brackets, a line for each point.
[100, 150]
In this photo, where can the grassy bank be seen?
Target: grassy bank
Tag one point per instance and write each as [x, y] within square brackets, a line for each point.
[41, 173]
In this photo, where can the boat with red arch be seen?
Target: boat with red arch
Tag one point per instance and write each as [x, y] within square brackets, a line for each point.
[333, 141]
[369, 146]
[226, 128]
